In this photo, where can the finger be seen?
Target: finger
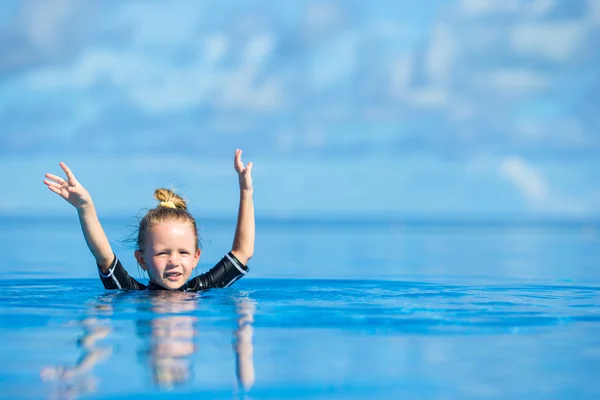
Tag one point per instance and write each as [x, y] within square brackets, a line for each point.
[55, 178]
[54, 189]
[249, 168]
[53, 184]
[70, 176]
[237, 161]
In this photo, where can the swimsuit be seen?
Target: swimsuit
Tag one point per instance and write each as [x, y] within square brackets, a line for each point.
[226, 272]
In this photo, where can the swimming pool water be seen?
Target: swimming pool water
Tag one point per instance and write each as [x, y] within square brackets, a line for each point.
[347, 311]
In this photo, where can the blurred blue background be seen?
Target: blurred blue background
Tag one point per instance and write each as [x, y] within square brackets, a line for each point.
[472, 108]
[449, 147]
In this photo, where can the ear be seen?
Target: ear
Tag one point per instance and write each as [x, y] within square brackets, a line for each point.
[197, 257]
[140, 259]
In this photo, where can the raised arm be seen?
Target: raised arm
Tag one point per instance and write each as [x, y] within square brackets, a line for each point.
[243, 241]
[74, 193]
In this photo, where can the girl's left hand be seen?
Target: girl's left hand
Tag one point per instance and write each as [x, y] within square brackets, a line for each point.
[244, 173]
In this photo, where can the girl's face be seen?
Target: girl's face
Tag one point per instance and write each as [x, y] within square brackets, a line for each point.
[170, 254]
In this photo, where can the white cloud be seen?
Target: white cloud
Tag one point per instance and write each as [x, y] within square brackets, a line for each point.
[323, 15]
[462, 111]
[258, 49]
[511, 81]
[314, 137]
[152, 86]
[239, 91]
[216, 47]
[43, 21]
[538, 8]
[428, 97]
[535, 189]
[571, 132]
[387, 28]
[530, 128]
[440, 54]
[166, 24]
[526, 179]
[556, 41]
[182, 90]
[594, 11]
[159, 86]
[478, 8]
[93, 65]
[401, 73]
[564, 132]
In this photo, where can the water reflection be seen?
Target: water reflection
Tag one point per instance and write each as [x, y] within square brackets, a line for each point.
[73, 381]
[167, 324]
[171, 339]
[170, 336]
[242, 344]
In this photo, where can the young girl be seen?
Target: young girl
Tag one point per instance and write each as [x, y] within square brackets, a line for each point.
[167, 241]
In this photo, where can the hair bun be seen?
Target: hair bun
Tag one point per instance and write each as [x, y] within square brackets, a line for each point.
[170, 199]
[168, 204]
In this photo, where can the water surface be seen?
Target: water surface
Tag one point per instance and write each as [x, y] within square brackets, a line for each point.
[329, 310]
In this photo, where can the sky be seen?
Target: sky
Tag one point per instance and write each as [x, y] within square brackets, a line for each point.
[453, 107]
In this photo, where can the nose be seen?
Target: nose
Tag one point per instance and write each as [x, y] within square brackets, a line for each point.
[174, 258]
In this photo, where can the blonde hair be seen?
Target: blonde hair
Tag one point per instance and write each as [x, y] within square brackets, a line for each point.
[171, 207]
[170, 199]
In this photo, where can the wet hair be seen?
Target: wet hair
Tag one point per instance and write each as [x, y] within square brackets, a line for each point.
[171, 207]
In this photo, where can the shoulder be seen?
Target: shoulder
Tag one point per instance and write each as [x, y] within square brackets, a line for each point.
[228, 270]
[117, 277]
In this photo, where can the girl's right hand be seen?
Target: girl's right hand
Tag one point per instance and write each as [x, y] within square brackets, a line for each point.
[70, 189]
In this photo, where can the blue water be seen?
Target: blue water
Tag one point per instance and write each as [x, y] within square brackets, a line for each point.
[332, 309]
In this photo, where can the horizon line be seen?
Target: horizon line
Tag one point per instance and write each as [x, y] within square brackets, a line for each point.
[364, 219]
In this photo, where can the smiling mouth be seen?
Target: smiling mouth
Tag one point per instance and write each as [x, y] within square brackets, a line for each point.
[172, 276]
